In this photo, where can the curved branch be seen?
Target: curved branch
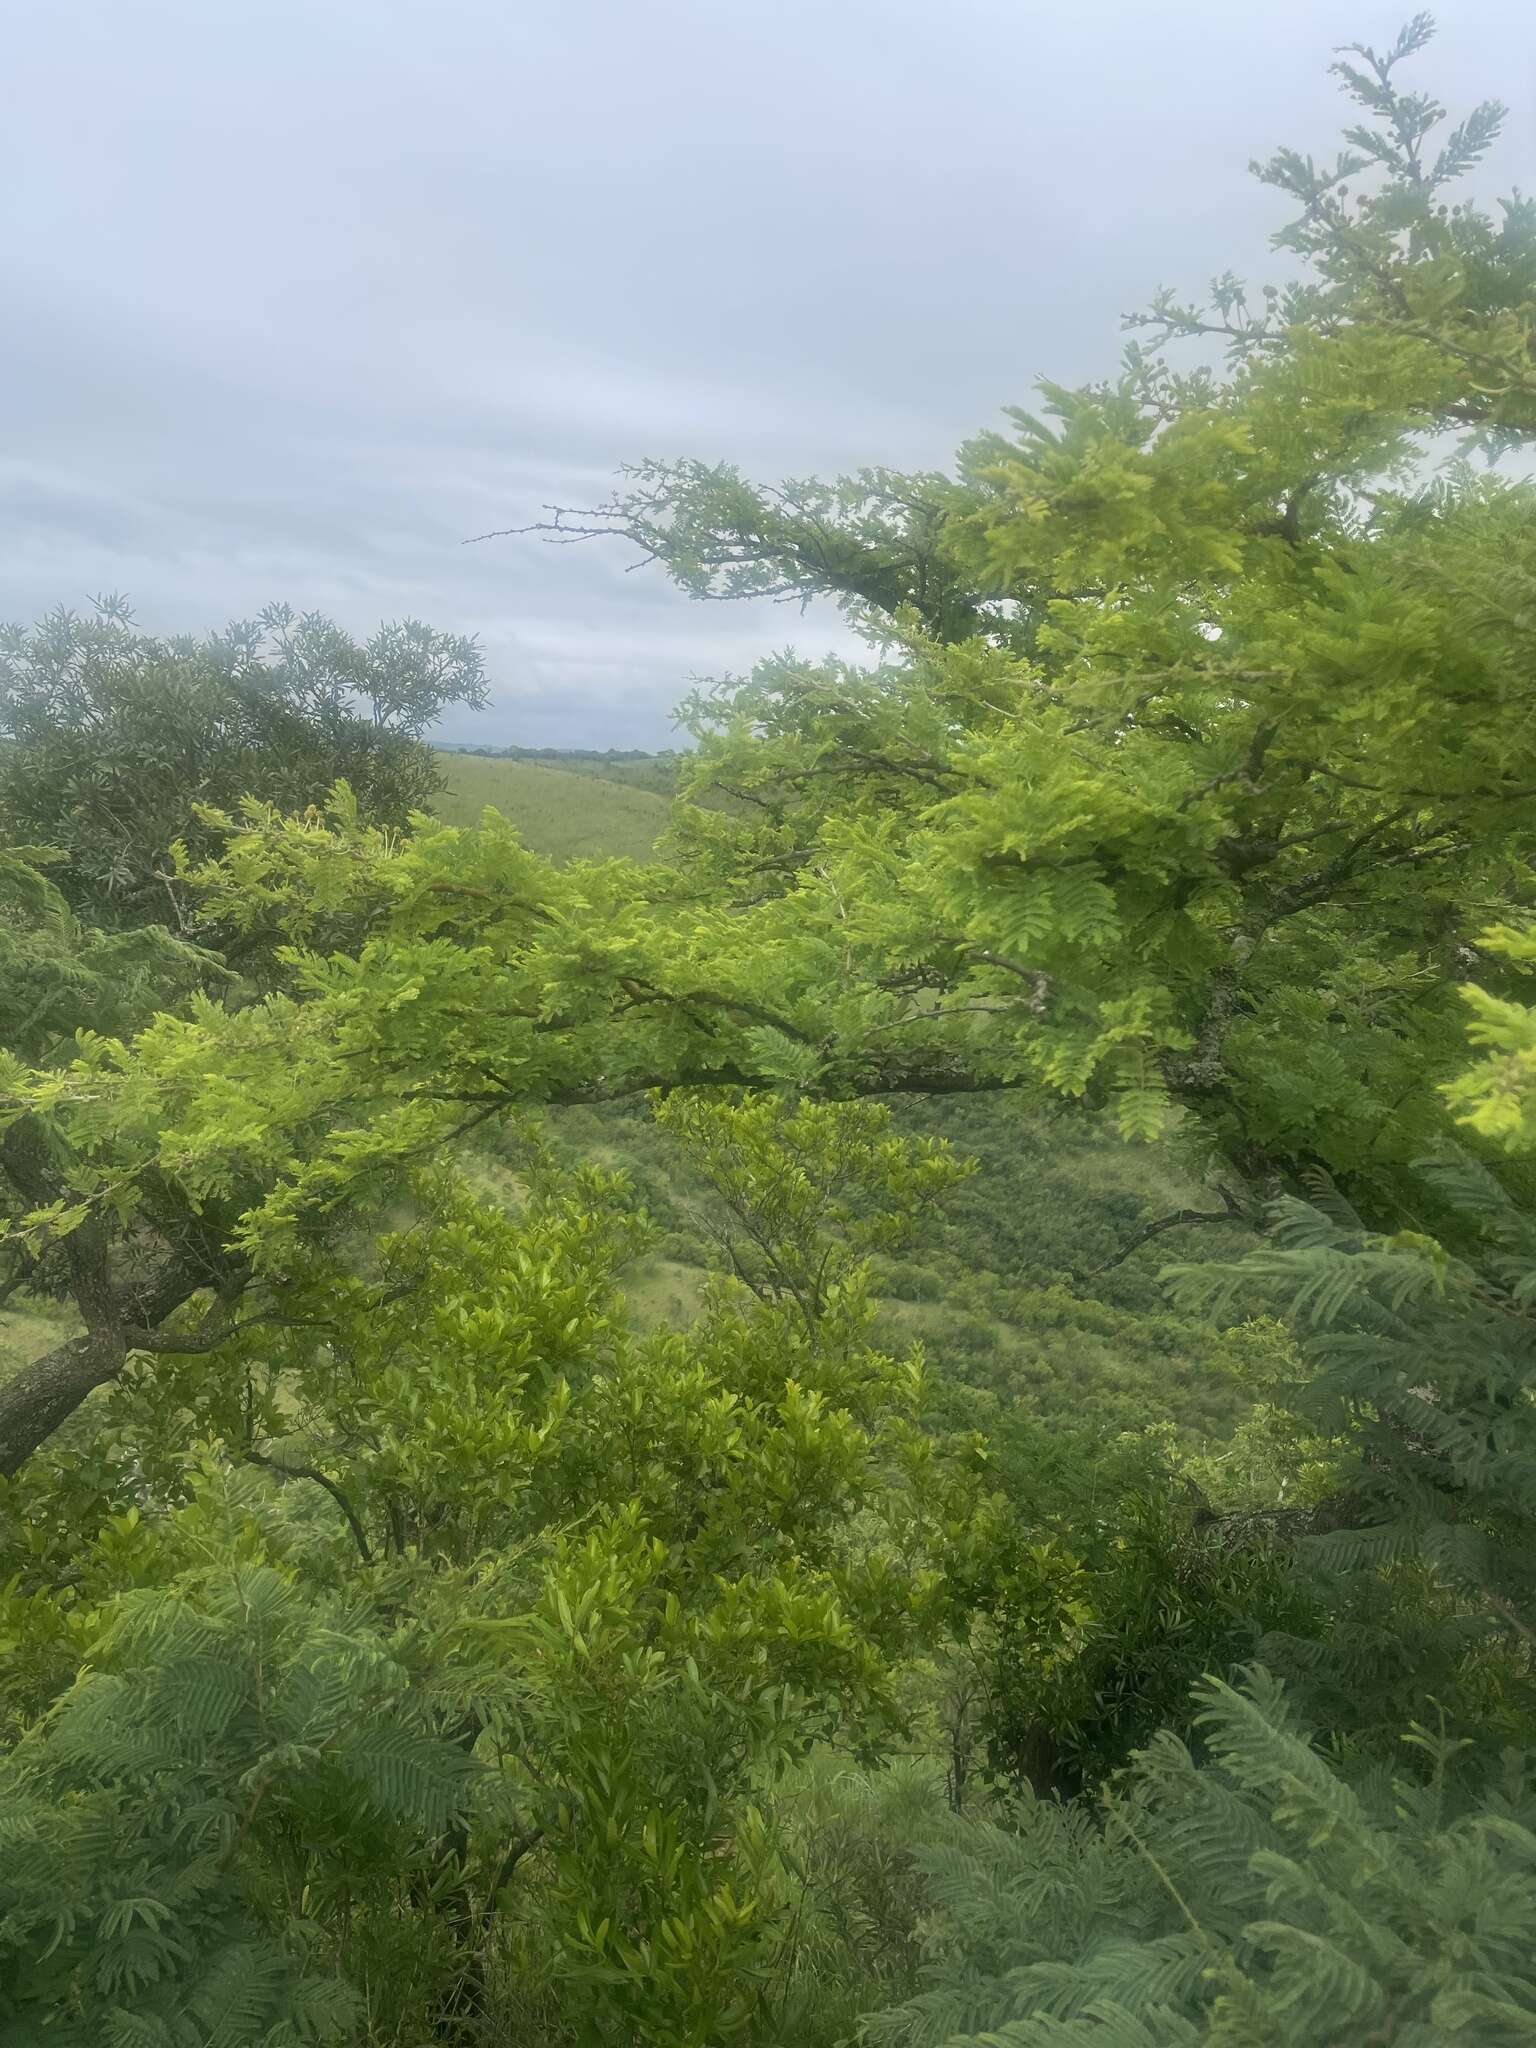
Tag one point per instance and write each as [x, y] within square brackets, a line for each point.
[359, 1535]
[1230, 1212]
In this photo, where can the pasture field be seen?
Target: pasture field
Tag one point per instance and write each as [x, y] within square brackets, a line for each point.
[561, 814]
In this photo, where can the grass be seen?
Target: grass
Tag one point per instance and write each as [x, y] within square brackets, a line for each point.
[663, 1292]
[27, 1331]
[657, 772]
[560, 814]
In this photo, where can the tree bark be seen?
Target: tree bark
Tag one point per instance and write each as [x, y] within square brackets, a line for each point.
[119, 1318]
[35, 1400]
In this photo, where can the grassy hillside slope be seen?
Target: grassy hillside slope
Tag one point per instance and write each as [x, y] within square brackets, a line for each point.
[560, 814]
[1000, 1285]
[658, 772]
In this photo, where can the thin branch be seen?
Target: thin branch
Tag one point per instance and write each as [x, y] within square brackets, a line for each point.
[516, 1851]
[640, 992]
[1038, 979]
[320, 1478]
[208, 1337]
[1436, 796]
[1230, 1212]
[1009, 1007]
[18, 1279]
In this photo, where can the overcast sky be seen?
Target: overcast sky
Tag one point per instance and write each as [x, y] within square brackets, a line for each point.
[301, 293]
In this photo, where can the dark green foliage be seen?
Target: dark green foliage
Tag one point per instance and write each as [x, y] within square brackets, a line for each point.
[57, 974]
[110, 738]
[1261, 1900]
[231, 1731]
[1158, 1592]
[1059, 1196]
[1422, 1360]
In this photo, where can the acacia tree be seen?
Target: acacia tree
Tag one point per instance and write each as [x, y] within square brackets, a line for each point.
[145, 1175]
[115, 743]
[1196, 758]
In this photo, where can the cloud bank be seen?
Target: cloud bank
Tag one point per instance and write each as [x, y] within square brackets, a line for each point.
[300, 296]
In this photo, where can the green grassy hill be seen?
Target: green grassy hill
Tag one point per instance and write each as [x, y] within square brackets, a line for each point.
[658, 772]
[560, 814]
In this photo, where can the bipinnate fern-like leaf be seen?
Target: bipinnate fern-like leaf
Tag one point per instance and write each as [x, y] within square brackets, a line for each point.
[1419, 1355]
[1336, 1912]
[139, 1820]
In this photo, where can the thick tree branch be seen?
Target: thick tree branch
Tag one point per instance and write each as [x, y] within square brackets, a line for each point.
[517, 1849]
[35, 1400]
[1039, 981]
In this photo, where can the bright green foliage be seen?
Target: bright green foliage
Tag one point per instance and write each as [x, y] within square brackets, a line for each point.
[1258, 1901]
[801, 1193]
[1498, 1097]
[723, 1542]
[1193, 766]
[1144, 871]
[642, 1576]
[490, 979]
[1393, 257]
[110, 738]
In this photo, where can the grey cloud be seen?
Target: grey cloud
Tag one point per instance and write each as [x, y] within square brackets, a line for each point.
[304, 292]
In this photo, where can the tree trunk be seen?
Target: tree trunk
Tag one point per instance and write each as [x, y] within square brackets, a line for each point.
[35, 1400]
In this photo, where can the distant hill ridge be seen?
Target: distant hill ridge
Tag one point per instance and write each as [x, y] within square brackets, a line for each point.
[558, 753]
